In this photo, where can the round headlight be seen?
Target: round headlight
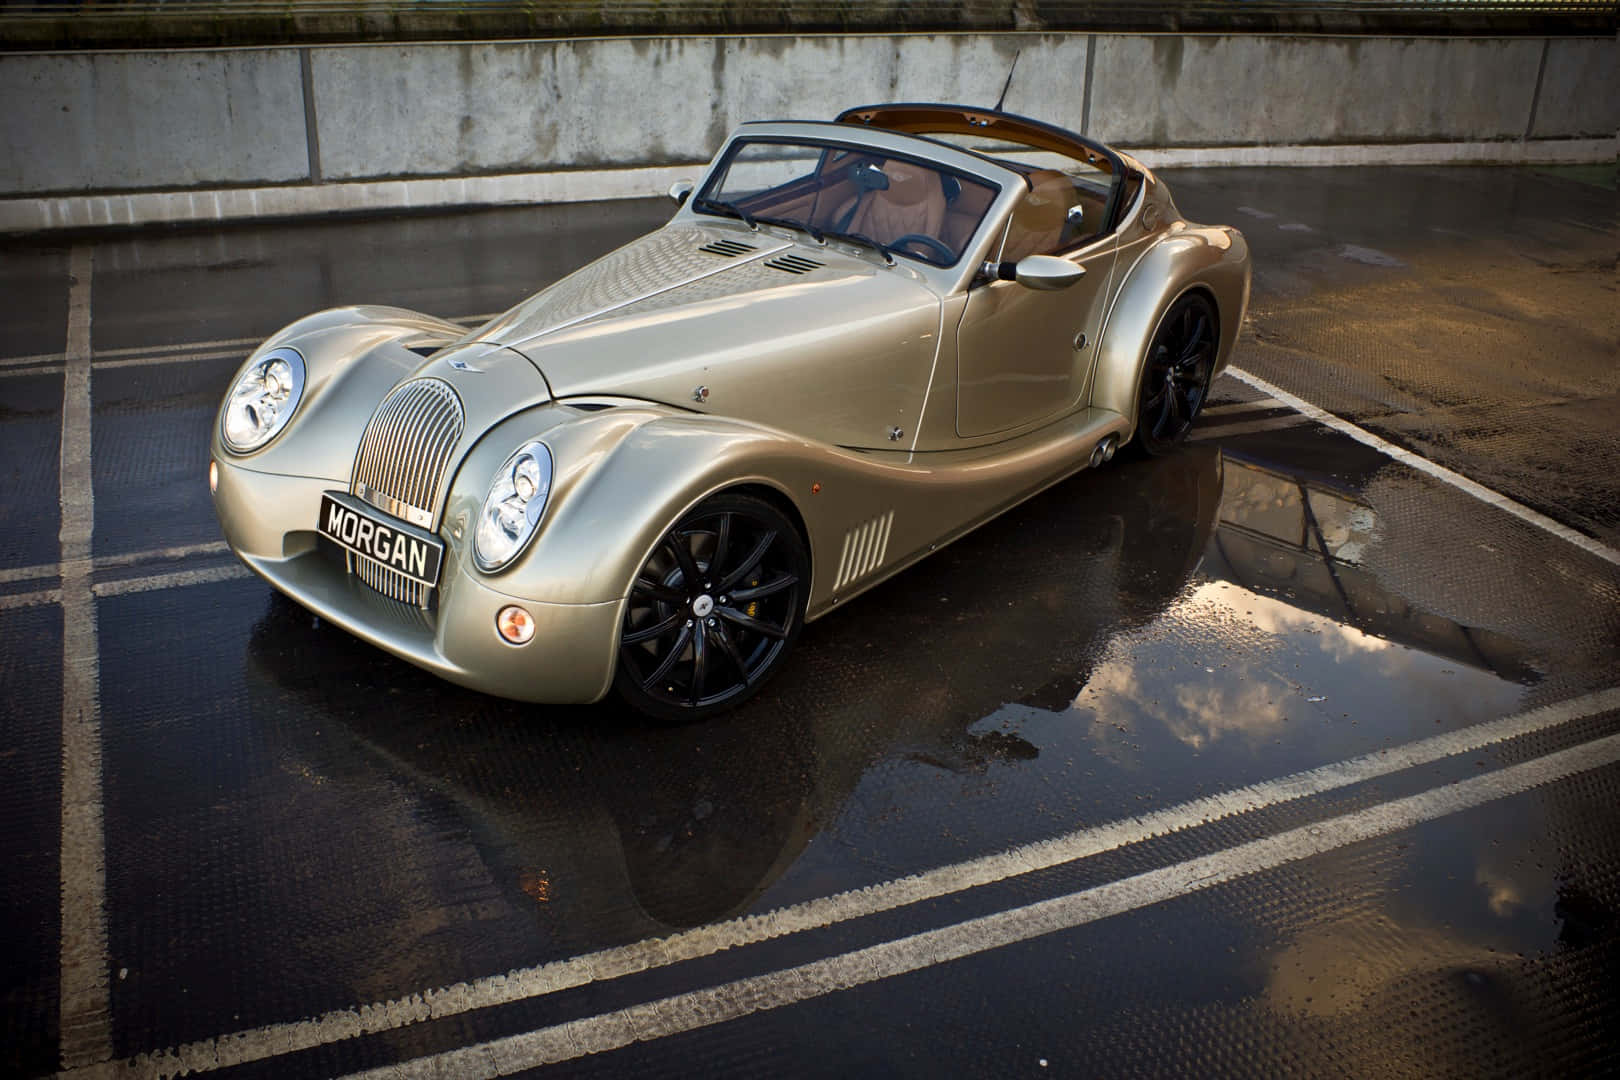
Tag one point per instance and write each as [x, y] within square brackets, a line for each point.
[262, 400]
[512, 507]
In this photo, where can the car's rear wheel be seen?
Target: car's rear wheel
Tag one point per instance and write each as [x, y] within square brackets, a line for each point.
[1175, 379]
[713, 611]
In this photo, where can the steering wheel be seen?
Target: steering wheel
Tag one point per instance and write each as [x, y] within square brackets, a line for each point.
[946, 255]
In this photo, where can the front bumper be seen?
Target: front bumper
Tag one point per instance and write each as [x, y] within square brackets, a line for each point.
[569, 659]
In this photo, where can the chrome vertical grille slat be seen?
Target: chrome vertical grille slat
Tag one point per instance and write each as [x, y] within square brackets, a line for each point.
[402, 459]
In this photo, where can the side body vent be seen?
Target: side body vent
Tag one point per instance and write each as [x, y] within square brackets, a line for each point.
[865, 547]
[729, 248]
[793, 264]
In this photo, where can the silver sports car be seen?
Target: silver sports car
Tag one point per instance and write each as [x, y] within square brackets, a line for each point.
[853, 342]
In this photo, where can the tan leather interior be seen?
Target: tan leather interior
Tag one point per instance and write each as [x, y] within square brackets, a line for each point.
[963, 214]
[914, 202]
[1041, 224]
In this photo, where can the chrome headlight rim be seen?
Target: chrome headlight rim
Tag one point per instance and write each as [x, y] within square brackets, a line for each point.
[258, 366]
[501, 490]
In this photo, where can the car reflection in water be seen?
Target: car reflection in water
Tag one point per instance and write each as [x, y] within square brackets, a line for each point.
[519, 834]
[1307, 541]
[549, 831]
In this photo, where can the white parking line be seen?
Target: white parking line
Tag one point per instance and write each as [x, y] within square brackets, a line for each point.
[17, 373]
[1248, 427]
[178, 579]
[128, 558]
[273, 1040]
[731, 1001]
[218, 349]
[85, 1023]
[38, 598]
[1257, 405]
[171, 358]
[148, 350]
[1429, 468]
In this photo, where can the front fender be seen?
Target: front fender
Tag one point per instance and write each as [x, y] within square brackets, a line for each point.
[622, 476]
[352, 357]
[1214, 258]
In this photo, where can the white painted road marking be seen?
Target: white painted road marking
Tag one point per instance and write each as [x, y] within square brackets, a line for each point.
[1248, 427]
[85, 1023]
[223, 347]
[731, 1001]
[1429, 468]
[128, 558]
[1257, 405]
[273, 1040]
[178, 579]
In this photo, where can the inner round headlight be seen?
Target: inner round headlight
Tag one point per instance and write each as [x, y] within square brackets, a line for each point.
[262, 400]
[512, 507]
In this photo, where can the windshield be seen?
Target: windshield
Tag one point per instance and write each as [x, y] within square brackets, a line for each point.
[898, 205]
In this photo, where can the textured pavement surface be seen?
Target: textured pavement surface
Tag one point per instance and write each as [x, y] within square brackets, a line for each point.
[299, 838]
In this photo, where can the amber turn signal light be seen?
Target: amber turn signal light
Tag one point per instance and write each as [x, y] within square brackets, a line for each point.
[515, 625]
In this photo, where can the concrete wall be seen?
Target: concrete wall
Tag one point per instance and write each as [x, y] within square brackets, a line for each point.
[210, 120]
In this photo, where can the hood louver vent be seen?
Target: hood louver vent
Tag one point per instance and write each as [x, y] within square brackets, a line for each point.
[793, 264]
[729, 248]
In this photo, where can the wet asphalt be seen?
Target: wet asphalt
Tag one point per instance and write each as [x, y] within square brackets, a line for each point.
[296, 826]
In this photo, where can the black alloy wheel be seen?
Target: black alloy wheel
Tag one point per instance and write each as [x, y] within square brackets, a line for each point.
[713, 611]
[1175, 380]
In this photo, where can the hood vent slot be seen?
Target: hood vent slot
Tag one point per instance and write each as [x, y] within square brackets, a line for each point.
[729, 248]
[793, 264]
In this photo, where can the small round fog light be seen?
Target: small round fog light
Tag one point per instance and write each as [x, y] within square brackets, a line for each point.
[515, 624]
[213, 477]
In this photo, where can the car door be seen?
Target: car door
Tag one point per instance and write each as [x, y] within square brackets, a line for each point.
[1024, 355]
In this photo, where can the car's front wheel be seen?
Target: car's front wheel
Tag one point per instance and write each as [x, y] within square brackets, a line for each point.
[714, 610]
[1175, 379]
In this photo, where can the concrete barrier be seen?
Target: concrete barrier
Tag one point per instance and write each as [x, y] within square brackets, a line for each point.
[131, 137]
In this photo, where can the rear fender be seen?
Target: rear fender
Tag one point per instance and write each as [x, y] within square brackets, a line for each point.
[1212, 258]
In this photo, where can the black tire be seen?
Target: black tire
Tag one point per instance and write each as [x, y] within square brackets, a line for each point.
[714, 610]
[1175, 378]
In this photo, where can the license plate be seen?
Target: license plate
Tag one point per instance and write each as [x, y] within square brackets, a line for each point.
[403, 548]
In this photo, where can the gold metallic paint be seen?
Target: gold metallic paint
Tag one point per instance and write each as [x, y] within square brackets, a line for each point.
[806, 376]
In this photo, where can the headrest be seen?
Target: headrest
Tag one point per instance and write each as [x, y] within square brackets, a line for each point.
[910, 184]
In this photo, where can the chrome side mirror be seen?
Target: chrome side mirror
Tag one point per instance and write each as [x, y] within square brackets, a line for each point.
[680, 191]
[1045, 272]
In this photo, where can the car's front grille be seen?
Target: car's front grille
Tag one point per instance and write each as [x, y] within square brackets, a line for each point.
[400, 469]
[389, 582]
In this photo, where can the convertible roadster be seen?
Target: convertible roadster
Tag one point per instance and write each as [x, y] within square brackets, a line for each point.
[853, 342]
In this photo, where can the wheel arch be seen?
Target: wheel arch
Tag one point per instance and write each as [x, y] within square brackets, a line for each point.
[1213, 261]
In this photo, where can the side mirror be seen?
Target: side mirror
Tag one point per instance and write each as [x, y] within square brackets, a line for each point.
[1045, 272]
[680, 191]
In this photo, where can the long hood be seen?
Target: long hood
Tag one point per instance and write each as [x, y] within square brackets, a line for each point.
[667, 259]
[805, 338]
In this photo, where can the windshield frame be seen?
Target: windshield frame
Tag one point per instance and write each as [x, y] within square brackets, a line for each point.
[837, 140]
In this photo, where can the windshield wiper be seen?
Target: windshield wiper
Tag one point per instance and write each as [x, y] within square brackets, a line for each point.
[726, 209]
[861, 238]
[787, 223]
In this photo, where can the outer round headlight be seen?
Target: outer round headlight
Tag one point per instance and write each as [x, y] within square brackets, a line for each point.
[262, 400]
[512, 507]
